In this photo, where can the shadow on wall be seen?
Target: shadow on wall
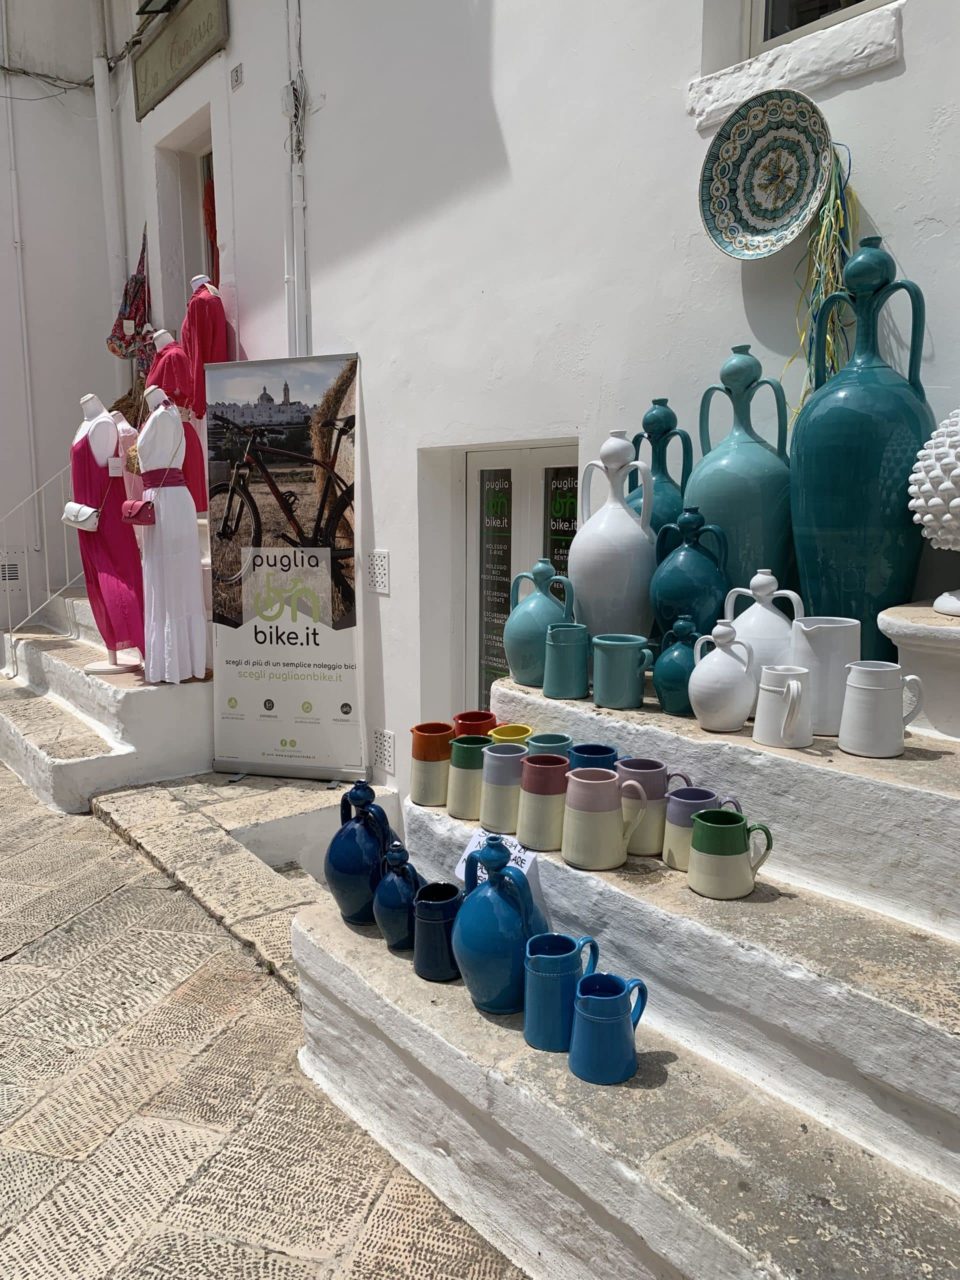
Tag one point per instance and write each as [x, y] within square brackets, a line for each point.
[407, 122]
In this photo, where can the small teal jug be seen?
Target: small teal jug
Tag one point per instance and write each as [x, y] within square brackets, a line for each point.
[353, 862]
[673, 669]
[554, 966]
[602, 1041]
[492, 928]
[620, 664]
[393, 899]
[567, 666]
[659, 428]
[525, 631]
[691, 577]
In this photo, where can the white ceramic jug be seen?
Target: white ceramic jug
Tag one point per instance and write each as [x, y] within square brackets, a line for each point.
[612, 556]
[826, 647]
[873, 719]
[783, 708]
[723, 685]
[763, 625]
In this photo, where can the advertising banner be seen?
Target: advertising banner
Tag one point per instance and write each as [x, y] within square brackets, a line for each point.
[281, 444]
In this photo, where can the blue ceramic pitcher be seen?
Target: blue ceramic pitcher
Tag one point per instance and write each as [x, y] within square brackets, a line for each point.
[554, 966]
[691, 576]
[673, 669]
[602, 1046]
[353, 862]
[660, 427]
[492, 928]
[393, 899]
[435, 908]
[525, 631]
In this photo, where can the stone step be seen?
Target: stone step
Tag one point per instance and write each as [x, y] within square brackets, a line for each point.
[878, 833]
[687, 1171]
[847, 1014]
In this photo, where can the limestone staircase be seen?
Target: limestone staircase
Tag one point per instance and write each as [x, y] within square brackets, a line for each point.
[795, 1112]
[71, 735]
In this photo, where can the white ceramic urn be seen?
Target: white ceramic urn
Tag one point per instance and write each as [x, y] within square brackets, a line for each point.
[765, 627]
[612, 556]
[723, 685]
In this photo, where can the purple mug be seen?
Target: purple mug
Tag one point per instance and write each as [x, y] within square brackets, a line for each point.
[682, 804]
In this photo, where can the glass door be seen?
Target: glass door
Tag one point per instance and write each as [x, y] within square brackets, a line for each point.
[521, 504]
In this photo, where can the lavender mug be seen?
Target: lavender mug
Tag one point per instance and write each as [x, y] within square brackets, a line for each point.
[655, 778]
[682, 804]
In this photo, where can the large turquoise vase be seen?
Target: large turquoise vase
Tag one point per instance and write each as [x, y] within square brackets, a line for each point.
[691, 574]
[525, 631]
[659, 428]
[743, 484]
[852, 452]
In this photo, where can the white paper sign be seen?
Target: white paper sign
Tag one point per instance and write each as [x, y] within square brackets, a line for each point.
[114, 466]
[524, 860]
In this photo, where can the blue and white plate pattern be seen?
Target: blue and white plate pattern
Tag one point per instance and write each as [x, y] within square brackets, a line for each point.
[765, 174]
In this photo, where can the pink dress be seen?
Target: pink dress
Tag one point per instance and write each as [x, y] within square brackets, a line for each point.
[111, 560]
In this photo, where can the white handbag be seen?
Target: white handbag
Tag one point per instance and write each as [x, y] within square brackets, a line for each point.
[80, 516]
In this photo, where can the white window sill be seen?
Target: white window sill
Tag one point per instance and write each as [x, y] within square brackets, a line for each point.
[851, 48]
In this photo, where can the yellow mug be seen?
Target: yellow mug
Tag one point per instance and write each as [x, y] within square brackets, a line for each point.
[511, 733]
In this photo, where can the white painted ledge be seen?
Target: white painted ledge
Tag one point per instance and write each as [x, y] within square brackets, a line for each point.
[850, 48]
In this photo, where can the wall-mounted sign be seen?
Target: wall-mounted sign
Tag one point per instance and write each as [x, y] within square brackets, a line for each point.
[193, 33]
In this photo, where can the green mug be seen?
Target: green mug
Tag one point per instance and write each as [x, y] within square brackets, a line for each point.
[721, 862]
[567, 660]
[620, 663]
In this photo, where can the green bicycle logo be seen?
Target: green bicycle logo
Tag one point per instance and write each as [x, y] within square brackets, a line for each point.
[271, 599]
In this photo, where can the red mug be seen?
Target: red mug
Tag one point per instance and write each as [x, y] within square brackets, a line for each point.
[474, 722]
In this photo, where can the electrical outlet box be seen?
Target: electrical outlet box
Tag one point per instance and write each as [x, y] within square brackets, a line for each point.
[383, 750]
[378, 572]
[236, 76]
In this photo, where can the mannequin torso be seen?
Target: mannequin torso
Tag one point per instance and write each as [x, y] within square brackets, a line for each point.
[99, 428]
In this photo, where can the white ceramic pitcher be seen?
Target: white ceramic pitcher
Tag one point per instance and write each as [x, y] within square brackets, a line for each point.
[826, 647]
[873, 718]
[783, 708]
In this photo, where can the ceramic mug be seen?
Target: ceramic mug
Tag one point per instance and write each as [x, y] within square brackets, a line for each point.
[721, 865]
[602, 1039]
[595, 831]
[873, 719]
[549, 744]
[567, 661]
[474, 722]
[552, 969]
[435, 908]
[543, 785]
[430, 764]
[593, 755]
[620, 663]
[500, 786]
[682, 804]
[655, 778]
[466, 776]
[511, 733]
[782, 717]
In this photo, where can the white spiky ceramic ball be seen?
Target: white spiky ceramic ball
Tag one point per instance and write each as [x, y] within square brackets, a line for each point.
[935, 496]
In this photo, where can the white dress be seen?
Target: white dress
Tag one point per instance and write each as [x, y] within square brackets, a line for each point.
[175, 617]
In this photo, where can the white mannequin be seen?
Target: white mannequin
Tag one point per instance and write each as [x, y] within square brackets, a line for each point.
[197, 282]
[162, 338]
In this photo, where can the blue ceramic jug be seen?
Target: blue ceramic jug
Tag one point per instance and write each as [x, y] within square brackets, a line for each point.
[353, 861]
[852, 453]
[525, 631]
[554, 966]
[673, 669]
[491, 931]
[602, 1045]
[690, 578]
[743, 485]
[435, 909]
[660, 427]
[393, 900]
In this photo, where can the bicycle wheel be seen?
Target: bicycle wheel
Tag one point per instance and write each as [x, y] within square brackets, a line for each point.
[338, 535]
[234, 524]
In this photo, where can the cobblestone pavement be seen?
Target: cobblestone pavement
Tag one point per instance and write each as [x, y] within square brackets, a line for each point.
[153, 1122]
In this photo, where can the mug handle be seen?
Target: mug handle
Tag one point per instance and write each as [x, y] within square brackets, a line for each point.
[677, 774]
[630, 827]
[791, 691]
[916, 684]
[646, 661]
[730, 800]
[755, 866]
[638, 985]
[593, 959]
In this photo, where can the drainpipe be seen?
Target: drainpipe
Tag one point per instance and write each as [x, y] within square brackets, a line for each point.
[109, 176]
[301, 295]
[26, 367]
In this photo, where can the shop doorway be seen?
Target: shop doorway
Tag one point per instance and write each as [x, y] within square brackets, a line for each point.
[186, 217]
[521, 504]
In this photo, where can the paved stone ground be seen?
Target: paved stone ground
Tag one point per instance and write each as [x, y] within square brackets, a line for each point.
[153, 1122]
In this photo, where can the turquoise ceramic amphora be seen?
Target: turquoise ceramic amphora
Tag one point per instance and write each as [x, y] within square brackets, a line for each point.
[525, 631]
[691, 576]
[852, 452]
[743, 484]
[659, 428]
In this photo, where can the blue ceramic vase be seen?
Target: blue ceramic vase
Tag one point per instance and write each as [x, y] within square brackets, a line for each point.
[743, 484]
[525, 631]
[852, 452]
[393, 899]
[691, 577]
[353, 861]
[492, 929]
[673, 669]
[659, 428]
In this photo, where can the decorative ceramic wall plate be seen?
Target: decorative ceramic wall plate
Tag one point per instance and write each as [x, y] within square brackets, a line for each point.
[765, 174]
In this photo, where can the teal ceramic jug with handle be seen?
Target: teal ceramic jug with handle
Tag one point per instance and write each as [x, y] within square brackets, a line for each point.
[743, 484]
[673, 669]
[525, 631]
[852, 452]
[659, 428]
[691, 573]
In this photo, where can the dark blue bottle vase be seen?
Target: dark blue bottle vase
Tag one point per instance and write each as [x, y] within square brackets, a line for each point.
[394, 897]
[353, 863]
